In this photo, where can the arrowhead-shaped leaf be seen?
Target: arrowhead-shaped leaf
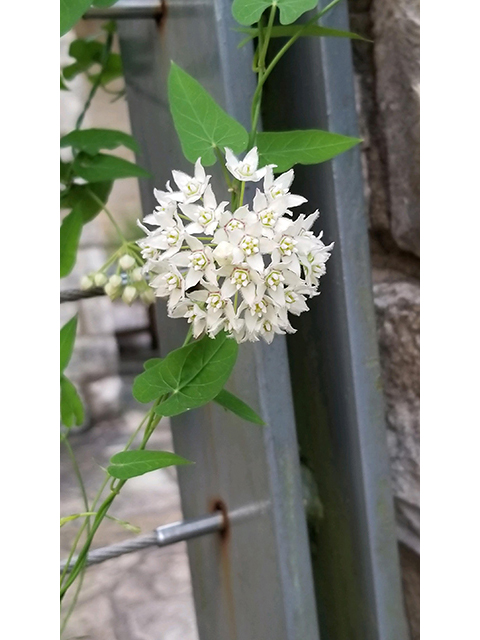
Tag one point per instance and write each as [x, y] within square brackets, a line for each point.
[247, 12]
[104, 167]
[129, 464]
[93, 140]
[192, 375]
[237, 406]
[287, 148]
[307, 31]
[70, 232]
[201, 124]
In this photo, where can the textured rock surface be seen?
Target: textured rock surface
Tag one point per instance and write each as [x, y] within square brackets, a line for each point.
[398, 318]
[387, 81]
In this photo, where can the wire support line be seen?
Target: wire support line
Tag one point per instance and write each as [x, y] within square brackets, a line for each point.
[162, 537]
[72, 295]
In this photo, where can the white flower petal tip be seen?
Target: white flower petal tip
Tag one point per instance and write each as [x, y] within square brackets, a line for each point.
[244, 270]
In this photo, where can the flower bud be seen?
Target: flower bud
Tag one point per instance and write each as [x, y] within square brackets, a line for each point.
[111, 291]
[223, 253]
[129, 294]
[86, 283]
[115, 281]
[148, 296]
[100, 279]
[126, 262]
[137, 274]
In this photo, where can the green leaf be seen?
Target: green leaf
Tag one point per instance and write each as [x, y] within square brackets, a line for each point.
[103, 3]
[86, 53]
[75, 516]
[70, 13]
[71, 407]
[106, 167]
[311, 146]
[201, 124]
[63, 86]
[237, 406]
[67, 342]
[65, 168]
[192, 375]
[93, 140]
[148, 364]
[70, 232]
[79, 197]
[129, 464]
[309, 30]
[247, 12]
[112, 69]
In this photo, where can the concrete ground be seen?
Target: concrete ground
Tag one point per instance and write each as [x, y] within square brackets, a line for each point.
[141, 596]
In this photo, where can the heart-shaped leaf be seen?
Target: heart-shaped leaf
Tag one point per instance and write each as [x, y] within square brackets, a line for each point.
[201, 124]
[129, 464]
[93, 140]
[191, 376]
[287, 148]
[247, 12]
[229, 401]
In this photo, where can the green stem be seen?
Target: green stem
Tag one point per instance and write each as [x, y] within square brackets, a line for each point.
[73, 604]
[78, 475]
[109, 214]
[242, 192]
[264, 74]
[96, 85]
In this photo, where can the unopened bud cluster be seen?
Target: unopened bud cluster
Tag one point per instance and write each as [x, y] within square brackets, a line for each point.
[128, 282]
[242, 271]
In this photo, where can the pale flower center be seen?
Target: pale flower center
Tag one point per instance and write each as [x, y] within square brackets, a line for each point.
[234, 224]
[267, 326]
[173, 236]
[245, 170]
[198, 260]
[205, 217]
[274, 279]
[240, 278]
[215, 301]
[193, 187]
[267, 218]
[173, 281]
[249, 244]
[259, 308]
[290, 297]
[287, 245]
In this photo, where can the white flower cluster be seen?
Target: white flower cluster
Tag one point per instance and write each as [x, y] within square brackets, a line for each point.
[242, 271]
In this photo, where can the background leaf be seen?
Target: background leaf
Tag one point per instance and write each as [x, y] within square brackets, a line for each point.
[200, 122]
[193, 375]
[93, 140]
[67, 342]
[247, 12]
[70, 232]
[112, 69]
[287, 148]
[71, 407]
[86, 53]
[70, 13]
[104, 167]
[148, 364]
[79, 197]
[129, 464]
[309, 30]
[103, 3]
[237, 406]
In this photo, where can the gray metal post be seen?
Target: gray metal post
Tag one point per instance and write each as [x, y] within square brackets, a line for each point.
[253, 581]
[334, 361]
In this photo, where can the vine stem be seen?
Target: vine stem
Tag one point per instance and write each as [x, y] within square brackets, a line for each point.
[263, 73]
[115, 488]
[109, 214]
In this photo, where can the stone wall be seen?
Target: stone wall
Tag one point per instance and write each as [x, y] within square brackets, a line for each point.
[387, 74]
